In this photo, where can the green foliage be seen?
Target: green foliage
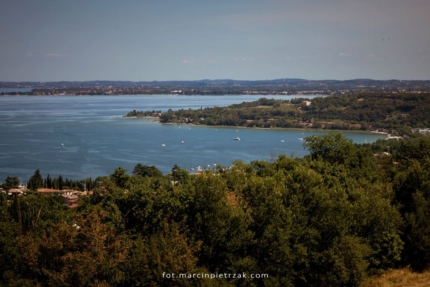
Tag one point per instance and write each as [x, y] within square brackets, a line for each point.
[397, 112]
[330, 219]
[417, 236]
[333, 148]
[10, 182]
[144, 170]
[120, 177]
[140, 114]
[179, 175]
[168, 251]
[35, 181]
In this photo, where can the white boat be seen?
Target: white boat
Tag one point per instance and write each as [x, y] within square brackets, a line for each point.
[237, 139]
[163, 145]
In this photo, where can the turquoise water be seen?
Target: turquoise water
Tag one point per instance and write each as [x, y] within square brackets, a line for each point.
[86, 136]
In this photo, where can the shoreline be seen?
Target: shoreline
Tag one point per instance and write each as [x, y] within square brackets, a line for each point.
[280, 129]
[146, 117]
[157, 119]
[382, 133]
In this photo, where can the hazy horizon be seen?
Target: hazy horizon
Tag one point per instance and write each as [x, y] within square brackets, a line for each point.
[200, 80]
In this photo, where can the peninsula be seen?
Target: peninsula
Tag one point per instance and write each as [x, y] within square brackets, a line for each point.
[394, 113]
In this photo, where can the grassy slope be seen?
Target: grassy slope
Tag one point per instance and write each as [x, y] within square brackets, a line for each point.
[399, 278]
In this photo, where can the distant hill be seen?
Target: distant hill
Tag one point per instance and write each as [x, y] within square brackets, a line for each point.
[219, 87]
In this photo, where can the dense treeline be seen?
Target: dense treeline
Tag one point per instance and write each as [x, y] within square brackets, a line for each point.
[141, 114]
[37, 181]
[359, 111]
[329, 219]
[387, 111]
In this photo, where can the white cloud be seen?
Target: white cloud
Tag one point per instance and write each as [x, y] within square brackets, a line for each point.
[372, 57]
[209, 61]
[243, 59]
[309, 57]
[188, 61]
[343, 54]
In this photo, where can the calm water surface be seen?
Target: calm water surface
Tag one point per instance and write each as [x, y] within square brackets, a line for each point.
[14, 90]
[86, 136]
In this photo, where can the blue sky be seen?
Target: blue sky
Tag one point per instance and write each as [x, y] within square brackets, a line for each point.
[141, 40]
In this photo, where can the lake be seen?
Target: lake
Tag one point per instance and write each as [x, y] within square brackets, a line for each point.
[86, 136]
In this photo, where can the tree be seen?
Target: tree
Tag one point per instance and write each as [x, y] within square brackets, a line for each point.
[168, 249]
[180, 175]
[48, 181]
[10, 182]
[334, 148]
[145, 170]
[60, 182]
[16, 210]
[120, 177]
[35, 181]
[417, 249]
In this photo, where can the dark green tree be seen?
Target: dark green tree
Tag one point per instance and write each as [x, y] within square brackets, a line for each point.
[10, 182]
[120, 177]
[417, 235]
[48, 181]
[334, 148]
[16, 210]
[145, 170]
[180, 175]
[36, 181]
[60, 182]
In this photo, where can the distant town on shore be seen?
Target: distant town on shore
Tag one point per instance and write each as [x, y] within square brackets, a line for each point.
[217, 87]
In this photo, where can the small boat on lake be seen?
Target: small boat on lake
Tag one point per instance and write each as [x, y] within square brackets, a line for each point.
[237, 139]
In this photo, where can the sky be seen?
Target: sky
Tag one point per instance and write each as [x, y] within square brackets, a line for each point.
[142, 40]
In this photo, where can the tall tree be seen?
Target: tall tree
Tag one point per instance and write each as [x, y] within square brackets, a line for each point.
[17, 210]
[35, 181]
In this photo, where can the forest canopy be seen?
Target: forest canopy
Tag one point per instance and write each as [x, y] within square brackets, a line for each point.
[333, 218]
